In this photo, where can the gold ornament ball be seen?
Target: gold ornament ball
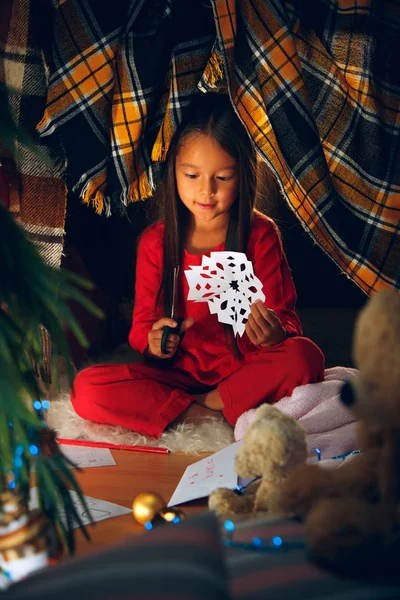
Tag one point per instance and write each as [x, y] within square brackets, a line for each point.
[169, 514]
[146, 506]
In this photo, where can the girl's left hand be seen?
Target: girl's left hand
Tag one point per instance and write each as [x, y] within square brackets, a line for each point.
[263, 327]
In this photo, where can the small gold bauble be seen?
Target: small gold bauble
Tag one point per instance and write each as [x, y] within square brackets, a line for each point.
[146, 506]
[169, 514]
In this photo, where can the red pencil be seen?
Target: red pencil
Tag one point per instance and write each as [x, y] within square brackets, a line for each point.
[154, 449]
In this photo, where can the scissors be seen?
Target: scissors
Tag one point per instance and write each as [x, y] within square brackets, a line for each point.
[167, 329]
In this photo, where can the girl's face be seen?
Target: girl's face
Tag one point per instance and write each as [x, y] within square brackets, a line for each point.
[207, 178]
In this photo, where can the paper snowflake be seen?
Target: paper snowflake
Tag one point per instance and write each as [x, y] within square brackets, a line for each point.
[227, 282]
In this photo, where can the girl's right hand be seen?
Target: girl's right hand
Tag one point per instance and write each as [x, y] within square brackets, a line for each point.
[155, 336]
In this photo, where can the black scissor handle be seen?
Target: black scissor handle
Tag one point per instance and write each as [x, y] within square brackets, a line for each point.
[167, 330]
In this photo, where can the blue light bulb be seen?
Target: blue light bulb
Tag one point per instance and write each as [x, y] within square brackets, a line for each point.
[148, 526]
[176, 520]
[37, 405]
[229, 525]
[45, 404]
[33, 449]
[257, 542]
[277, 540]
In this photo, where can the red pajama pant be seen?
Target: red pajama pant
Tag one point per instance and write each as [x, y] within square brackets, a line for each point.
[146, 397]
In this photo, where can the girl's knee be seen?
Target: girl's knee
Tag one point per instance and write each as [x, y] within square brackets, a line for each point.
[83, 382]
[306, 358]
[86, 389]
[95, 388]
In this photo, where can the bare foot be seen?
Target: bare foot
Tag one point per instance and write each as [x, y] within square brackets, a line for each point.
[210, 399]
[196, 414]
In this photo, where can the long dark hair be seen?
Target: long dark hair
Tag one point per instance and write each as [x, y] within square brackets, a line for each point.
[210, 114]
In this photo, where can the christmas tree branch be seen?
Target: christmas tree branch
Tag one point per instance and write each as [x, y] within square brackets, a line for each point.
[32, 294]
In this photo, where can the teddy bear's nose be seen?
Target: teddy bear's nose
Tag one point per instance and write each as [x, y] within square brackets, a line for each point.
[347, 394]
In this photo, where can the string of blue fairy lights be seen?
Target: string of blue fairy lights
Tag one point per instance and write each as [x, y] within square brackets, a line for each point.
[276, 543]
[338, 457]
[240, 489]
[40, 406]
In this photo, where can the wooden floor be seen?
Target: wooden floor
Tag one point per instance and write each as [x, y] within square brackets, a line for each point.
[135, 472]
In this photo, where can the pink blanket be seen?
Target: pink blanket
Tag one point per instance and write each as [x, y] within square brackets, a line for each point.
[329, 424]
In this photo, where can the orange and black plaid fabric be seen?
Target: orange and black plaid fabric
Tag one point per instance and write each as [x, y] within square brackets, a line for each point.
[317, 86]
[121, 76]
[315, 83]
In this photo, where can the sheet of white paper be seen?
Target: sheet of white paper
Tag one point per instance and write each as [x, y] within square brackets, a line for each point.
[85, 456]
[216, 471]
[203, 477]
[100, 509]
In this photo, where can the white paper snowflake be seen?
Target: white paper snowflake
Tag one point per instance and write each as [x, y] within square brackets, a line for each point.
[227, 282]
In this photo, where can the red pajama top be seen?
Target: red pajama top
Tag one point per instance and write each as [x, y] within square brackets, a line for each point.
[204, 354]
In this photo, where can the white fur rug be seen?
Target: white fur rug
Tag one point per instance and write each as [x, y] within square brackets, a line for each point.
[211, 435]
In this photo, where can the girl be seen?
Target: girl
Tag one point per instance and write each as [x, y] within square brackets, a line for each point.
[208, 194]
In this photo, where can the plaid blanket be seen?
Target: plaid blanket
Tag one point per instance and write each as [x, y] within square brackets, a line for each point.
[119, 81]
[315, 83]
[38, 193]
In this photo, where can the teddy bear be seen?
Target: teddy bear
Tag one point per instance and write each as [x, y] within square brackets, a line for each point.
[351, 513]
[273, 446]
